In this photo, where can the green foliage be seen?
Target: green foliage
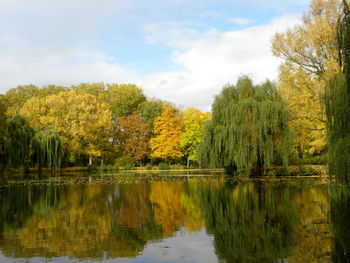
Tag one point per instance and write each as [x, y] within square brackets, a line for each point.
[305, 171]
[124, 99]
[109, 168]
[339, 217]
[281, 171]
[125, 161]
[103, 167]
[129, 166]
[96, 89]
[47, 149]
[91, 167]
[16, 97]
[153, 108]
[248, 130]
[148, 166]
[192, 135]
[247, 224]
[338, 107]
[18, 136]
[163, 166]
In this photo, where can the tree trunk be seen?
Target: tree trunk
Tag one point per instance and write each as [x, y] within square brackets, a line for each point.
[90, 159]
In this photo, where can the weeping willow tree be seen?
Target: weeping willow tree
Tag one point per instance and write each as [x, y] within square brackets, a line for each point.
[248, 130]
[47, 149]
[17, 141]
[337, 100]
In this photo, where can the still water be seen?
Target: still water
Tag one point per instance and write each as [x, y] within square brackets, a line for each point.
[149, 218]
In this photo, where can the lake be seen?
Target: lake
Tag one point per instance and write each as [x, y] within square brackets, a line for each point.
[168, 218]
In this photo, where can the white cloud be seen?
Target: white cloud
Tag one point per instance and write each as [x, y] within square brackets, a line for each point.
[204, 61]
[216, 58]
[172, 34]
[240, 21]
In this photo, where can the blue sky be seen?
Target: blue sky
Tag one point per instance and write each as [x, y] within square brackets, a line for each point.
[183, 51]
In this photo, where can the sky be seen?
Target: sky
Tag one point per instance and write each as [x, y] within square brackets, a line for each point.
[177, 50]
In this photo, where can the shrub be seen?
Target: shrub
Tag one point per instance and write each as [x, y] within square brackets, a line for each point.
[129, 166]
[148, 166]
[282, 171]
[308, 171]
[163, 166]
[103, 167]
[91, 167]
[124, 160]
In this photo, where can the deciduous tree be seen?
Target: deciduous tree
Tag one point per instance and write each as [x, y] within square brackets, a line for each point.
[79, 118]
[167, 141]
[192, 135]
[124, 99]
[311, 59]
[135, 136]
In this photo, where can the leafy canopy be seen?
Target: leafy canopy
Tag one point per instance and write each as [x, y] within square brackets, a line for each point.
[167, 129]
[248, 130]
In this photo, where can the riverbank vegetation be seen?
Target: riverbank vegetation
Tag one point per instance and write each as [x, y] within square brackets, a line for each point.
[251, 126]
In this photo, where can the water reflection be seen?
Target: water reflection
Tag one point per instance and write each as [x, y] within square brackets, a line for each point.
[340, 218]
[249, 221]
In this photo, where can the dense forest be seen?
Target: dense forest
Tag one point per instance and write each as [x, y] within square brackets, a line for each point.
[251, 126]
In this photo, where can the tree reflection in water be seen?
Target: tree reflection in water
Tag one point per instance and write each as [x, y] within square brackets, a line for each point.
[265, 220]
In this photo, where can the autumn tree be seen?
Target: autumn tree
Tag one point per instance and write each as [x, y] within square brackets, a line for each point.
[152, 108]
[192, 135]
[16, 97]
[167, 141]
[97, 89]
[248, 130]
[135, 136]
[82, 121]
[310, 55]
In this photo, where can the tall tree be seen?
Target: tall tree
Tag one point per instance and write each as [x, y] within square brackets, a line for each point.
[338, 106]
[248, 130]
[18, 136]
[82, 121]
[47, 149]
[167, 129]
[310, 55]
[135, 136]
[192, 135]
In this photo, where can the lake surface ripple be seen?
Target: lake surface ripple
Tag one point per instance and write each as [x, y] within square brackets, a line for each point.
[162, 218]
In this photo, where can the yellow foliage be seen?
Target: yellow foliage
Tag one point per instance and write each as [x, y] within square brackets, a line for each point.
[303, 95]
[167, 128]
[311, 59]
[168, 211]
[192, 135]
[79, 118]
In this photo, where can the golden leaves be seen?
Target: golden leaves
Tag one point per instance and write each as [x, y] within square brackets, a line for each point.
[167, 128]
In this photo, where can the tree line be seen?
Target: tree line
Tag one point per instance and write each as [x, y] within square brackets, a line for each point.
[304, 116]
[92, 124]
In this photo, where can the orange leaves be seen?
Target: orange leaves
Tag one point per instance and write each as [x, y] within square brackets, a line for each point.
[135, 136]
